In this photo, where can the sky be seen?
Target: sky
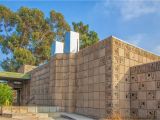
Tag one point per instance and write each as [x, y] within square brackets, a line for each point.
[134, 21]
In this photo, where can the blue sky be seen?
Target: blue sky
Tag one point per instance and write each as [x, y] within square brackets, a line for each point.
[135, 21]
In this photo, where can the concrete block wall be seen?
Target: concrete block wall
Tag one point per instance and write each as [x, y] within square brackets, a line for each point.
[75, 82]
[53, 84]
[145, 91]
[125, 56]
[95, 82]
[39, 86]
[63, 89]
[25, 91]
[92, 65]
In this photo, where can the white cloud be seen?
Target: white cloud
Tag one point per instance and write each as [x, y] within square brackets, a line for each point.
[136, 39]
[157, 49]
[128, 9]
[134, 9]
[135, 42]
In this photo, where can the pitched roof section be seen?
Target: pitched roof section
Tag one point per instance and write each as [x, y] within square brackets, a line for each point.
[14, 76]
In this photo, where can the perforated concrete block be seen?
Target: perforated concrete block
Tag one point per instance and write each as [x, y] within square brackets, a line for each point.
[151, 95]
[101, 74]
[150, 76]
[158, 85]
[151, 114]
[133, 95]
[142, 86]
[134, 78]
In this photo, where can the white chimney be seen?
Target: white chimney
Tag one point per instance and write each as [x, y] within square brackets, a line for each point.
[71, 43]
[57, 47]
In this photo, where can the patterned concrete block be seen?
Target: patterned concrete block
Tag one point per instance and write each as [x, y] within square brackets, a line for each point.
[99, 80]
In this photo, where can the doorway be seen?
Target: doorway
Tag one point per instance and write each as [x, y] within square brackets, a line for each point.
[16, 98]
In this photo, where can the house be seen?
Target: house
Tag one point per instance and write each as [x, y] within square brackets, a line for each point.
[109, 77]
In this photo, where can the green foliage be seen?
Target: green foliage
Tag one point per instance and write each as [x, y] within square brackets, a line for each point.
[26, 35]
[24, 56]
[6, 95]
[59, 25]
[87, 37]
[10, 64]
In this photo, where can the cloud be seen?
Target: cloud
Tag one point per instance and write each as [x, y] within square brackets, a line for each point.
[142, 40]
[136, 39]
[157, 49]
[134, 9]
[128, 9]
[135, 42]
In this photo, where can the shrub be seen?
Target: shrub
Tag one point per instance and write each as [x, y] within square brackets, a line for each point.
[6, 95]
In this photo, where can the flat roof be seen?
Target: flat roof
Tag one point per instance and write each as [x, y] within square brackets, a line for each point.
[14, 76]
[134, 45]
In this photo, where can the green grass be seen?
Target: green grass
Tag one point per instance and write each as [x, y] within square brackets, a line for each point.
[14, 76]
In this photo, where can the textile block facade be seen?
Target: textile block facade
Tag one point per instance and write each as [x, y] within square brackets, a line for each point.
[145, 91]
[99, 81]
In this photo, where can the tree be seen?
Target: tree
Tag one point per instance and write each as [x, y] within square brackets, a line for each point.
[6, 95]
[58, 25]
[27, 35]
[87, 37]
